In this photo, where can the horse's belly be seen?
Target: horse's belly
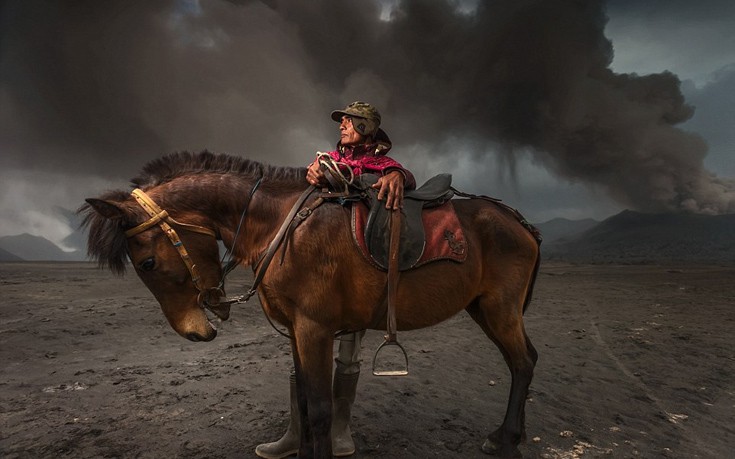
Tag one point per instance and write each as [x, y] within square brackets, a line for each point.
[433, 294]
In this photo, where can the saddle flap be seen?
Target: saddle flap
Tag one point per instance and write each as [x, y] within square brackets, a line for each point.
[412, 235]
[442, 238]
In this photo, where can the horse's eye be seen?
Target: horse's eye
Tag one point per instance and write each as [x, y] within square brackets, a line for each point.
[148, 264]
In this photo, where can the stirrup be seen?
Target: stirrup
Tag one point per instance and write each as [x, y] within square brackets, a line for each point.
[387, 371]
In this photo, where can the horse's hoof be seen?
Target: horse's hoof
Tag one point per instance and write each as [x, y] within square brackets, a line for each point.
[494, 449]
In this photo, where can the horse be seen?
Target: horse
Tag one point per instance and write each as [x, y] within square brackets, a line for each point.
[321, 284]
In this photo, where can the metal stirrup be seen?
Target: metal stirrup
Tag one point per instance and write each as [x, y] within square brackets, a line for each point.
[391, 336]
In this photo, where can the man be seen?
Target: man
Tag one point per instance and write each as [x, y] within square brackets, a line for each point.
[363, 147]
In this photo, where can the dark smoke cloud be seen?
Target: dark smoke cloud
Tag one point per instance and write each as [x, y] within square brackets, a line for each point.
[717, 123]
[103, 86]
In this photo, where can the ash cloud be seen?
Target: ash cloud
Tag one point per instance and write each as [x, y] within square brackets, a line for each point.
[101, 87]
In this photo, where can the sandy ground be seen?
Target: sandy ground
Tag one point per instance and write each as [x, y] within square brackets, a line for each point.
[635, 361]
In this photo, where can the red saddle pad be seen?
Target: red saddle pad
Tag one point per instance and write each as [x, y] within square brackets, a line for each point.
[444, 238]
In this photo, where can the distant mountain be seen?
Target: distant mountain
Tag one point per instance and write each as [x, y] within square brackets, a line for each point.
[7, 256]
[564, 229]
[36, 248]
[628, 237]
[635, 237]
[77, 240]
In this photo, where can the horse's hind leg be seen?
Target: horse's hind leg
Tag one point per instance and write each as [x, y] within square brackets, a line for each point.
[502, 322]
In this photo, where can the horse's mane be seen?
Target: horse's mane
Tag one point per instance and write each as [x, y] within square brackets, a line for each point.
[106, 241]
[169, 167]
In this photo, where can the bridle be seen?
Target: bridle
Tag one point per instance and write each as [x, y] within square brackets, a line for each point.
[162, 219]
[208, 297]
[211, 298]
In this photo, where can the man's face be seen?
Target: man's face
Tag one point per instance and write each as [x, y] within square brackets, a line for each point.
[347, 133]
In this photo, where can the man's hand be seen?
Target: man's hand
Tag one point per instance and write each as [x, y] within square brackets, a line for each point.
[391, 188]
[315, 176]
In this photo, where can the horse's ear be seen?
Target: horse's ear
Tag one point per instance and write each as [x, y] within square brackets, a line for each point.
[108, 209]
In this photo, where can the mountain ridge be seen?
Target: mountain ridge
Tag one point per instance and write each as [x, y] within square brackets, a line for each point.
[627, 237]
[631, 236]
[28, 247]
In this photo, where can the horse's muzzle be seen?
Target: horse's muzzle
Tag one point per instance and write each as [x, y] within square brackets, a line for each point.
[196, 337]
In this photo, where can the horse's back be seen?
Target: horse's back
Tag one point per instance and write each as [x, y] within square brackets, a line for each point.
[496, 229]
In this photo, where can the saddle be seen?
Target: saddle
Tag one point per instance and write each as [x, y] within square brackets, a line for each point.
[430, 229]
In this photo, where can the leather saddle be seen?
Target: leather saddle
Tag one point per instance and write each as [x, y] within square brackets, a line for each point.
[435, 192]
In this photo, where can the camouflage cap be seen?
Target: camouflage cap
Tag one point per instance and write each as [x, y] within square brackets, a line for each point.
[365, 112]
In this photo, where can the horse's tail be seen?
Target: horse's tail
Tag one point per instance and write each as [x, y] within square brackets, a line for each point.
[529, 292]
[538, 238]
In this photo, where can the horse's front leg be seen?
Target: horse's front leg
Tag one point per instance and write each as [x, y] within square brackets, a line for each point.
[312, 353]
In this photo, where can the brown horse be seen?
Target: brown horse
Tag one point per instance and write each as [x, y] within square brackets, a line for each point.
[321, 284]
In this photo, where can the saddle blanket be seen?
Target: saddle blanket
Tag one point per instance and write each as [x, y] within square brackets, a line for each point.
[443, 235]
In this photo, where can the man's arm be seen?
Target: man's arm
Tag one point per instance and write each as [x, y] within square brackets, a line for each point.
[393, 181]
[391, 186]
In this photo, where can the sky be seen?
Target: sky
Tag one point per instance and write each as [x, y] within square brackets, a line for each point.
[562, 108]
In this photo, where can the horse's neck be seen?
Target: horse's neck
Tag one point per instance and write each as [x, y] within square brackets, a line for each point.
[262, 212]
[265, 215]
[225, 201]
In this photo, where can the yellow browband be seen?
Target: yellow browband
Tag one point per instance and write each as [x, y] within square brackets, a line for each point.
[161, 218]
[159, 215]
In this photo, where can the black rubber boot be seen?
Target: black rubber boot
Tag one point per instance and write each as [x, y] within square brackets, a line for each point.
[343, 393]
[288, 445]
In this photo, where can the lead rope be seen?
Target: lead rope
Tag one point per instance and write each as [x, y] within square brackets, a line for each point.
[333, 171]
[228, 255]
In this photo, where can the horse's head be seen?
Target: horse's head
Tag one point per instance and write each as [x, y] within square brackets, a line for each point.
[177, 259]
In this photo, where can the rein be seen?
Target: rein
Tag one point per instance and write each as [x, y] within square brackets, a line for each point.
[231, 262]
[161, 218]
